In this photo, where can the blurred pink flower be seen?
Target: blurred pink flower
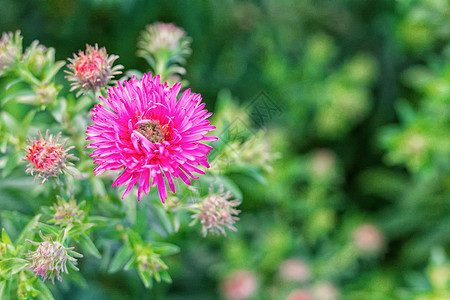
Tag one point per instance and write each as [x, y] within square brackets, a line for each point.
[367, 237]
[294, 270]
[325, 291]
[143, 128]
[300, 295]
[240, 284]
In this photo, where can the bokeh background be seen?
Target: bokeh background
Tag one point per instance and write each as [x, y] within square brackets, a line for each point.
[353, 98]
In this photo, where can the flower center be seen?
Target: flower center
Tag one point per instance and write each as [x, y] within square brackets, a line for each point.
[152, 131]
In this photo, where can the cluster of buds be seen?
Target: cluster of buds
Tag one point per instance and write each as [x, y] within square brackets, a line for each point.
[66, 213]
[10, 50]
[50, 259]
[165, 47]
[47, 157]
[216, 212]
[92, 69]
[150, 263]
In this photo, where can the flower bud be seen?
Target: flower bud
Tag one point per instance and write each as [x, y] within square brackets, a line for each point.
[66, 213]
[37, 57]
[48, 158]
[10, 50]
[50, 259]
[92, 69]
[164, 39]
[216, 212]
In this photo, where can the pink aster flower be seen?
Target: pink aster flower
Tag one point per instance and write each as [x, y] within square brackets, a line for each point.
[143, 129]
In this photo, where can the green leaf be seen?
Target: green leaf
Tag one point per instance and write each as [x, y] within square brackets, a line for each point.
[12, 83]
[120, 259]
[12, 265]
[11, 123]
[165, 276]
[27, 232]
[165, 249]
[88, 246]
[5, 287]
[98, 186]
[53, 70]
[134, 239]
[164, 219]
[5, 238]
[130, 209]
[45, 293]
[11, 162]
[16, 95]
[146, 279]
[27, 121]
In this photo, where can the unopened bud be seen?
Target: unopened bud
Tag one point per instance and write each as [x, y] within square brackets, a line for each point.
[10, 50]
[47, 157]
[92, 69]
[216, 212]
[50, 259]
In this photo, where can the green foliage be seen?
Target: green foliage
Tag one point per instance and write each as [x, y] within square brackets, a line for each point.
[333, 120]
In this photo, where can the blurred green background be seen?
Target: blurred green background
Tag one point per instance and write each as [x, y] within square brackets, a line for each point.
[354, 99]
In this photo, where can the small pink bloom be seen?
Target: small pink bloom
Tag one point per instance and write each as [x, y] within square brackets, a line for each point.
[367, 237]
[300, 295]
[154, 137]
[239, 285]
[294, 270]
[325, 291]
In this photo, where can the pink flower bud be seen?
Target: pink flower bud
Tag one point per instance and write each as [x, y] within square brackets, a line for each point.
[92, 69]
[50, 259]
[216, 212]
[47, 158]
